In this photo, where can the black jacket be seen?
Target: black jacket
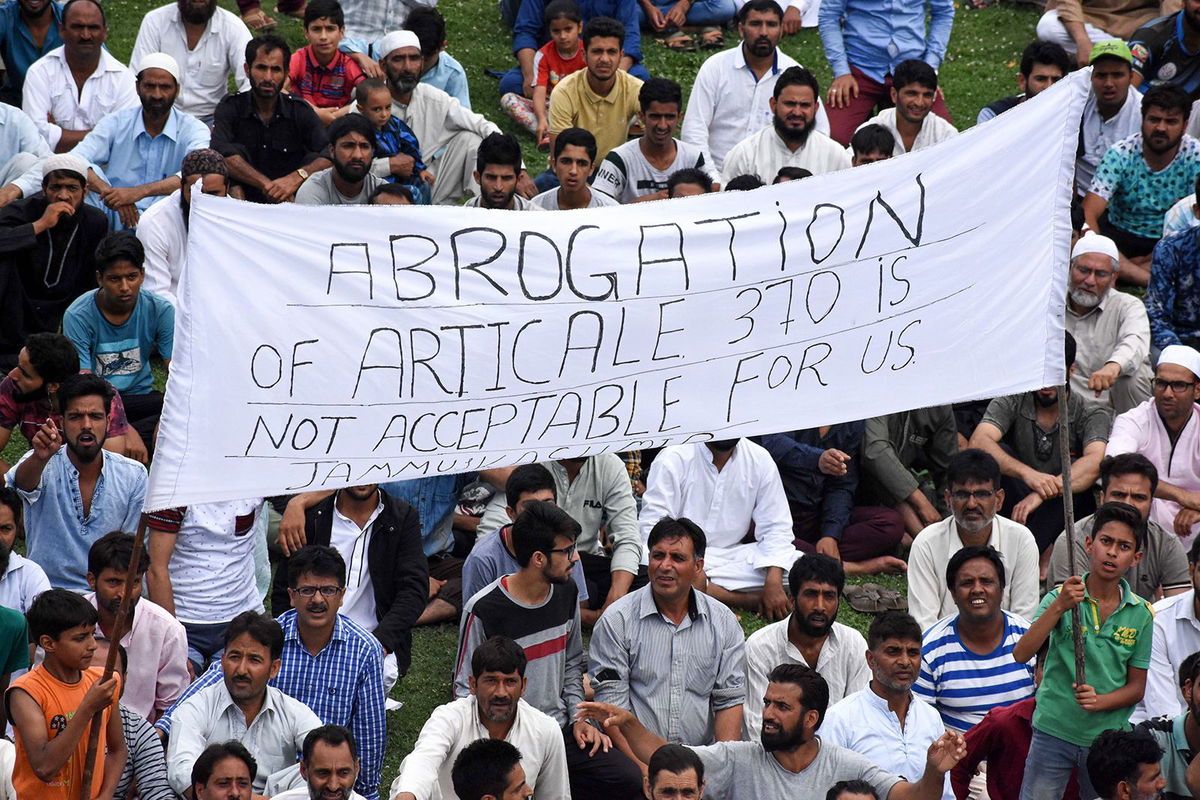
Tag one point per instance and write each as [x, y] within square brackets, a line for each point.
[397, 565]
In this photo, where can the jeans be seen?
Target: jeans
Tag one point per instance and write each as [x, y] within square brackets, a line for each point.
[702, 14]
[1048, 768]
[205, 643]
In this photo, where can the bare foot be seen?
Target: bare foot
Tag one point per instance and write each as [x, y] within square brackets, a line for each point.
[746, 601]
[874, 566]
[437, 611]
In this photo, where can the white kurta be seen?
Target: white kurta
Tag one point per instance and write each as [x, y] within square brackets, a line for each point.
[933, 130]
[683, 482]
[50, 93]
[764, 154]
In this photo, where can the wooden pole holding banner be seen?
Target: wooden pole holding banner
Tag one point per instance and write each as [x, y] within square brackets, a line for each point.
[110, 663]
[1064, 449]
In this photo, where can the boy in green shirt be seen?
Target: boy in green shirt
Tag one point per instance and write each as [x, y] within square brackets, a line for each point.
[1117, 625]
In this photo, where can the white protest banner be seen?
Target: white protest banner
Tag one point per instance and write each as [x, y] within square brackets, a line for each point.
[320, 347]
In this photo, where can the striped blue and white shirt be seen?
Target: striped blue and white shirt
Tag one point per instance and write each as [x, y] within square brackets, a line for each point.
[963, 685]
[342, 684]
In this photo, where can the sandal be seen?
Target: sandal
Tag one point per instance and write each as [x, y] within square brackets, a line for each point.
[297, 14]
[678, 41]
[258, 21]
[711, 38]
[871, 598]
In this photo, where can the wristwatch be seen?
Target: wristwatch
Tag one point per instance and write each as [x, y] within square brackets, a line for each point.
[303, 173]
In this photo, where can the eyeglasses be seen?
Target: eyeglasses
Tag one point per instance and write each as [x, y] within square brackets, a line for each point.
[1098, 274]
[567, 551]
[1175, 386]
[309, 591]
[962, 495]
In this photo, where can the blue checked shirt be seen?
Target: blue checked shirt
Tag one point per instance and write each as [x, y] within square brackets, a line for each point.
[1173, 297]
[342, 684]
[876, 35]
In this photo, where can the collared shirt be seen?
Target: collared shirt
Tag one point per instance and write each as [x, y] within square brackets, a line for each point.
[1015, 416]
[842, 664]
[1161, 57]
[18, 134]
[324, 85]
[1139, 197]
[574, 104]
[17, 47]
[449, 76]
[672, 677]
[728, 103]
[157, 645]
[352, 542]
[58, 531]
[1140, 430]
[684, 482]
[164, 237]
[895, 446]
[1097, 134]
[928, 598]
[1173, 296]
[964, 685]
[212, 539]
[204, 69]
[864, 723]
[1163, 564]
[425, 772]
[1116, 330]
[22, 581]
[1176, 636]
[765, 153]
[876, 35]
[1177, 754]
[600, 496]
[934, 129]
[210, 715]
[128, 155]
[1110, 648]
[797, 452]
[1181, 216]
[50, 91]
[342, 684]
[294, 137]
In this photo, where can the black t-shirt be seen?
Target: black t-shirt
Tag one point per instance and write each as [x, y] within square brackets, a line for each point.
[1160, 57]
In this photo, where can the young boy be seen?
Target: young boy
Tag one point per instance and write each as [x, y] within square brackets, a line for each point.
[573, 163]
[52, 706]
[1117, 626]
[322, 75]
[557, 59]
[393, 137]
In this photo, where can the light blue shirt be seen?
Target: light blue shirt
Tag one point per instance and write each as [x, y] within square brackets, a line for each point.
[121, 151]
[18, 134]
[121, 353]
[449, 76]
[57, 531]
[876, 35]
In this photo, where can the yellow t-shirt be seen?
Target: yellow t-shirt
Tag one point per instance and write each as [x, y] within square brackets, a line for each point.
[575, 105]
[59, 702]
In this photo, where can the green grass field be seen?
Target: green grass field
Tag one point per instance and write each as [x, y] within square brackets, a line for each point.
[980, 67]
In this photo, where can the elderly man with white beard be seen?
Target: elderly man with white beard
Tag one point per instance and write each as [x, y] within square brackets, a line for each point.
[1111, 329]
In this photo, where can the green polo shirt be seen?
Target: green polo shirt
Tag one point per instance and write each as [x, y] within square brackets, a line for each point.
[1123, 641]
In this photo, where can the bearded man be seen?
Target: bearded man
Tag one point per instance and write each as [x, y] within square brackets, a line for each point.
[208, 43]
[349, 181]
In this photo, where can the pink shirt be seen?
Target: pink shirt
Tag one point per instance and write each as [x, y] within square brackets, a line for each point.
[1140, 430]
[157, 648]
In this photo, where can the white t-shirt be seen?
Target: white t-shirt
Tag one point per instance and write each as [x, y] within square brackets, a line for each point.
[626, 175]
[212, 568]
[548, 201]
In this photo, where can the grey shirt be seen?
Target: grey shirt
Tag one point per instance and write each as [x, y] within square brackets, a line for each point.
[519, 204]
[319, 190]
[673, 678]
[896, 446]
[1164, 562]
[1016, 417]
[745, 771]
[548, 201]
[489, 559]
